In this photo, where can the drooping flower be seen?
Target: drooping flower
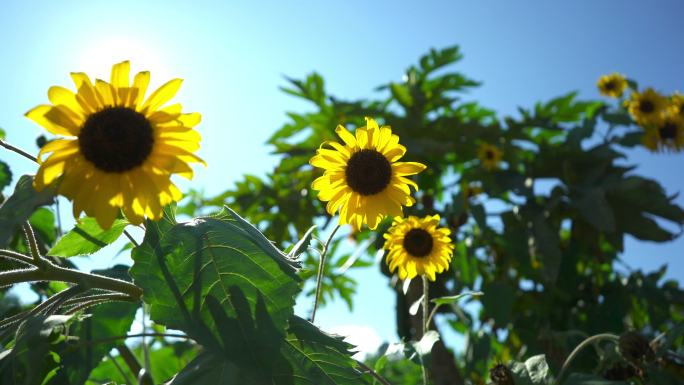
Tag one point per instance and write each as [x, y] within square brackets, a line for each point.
[646, 107]
[418, 246]
[362, 178]
[120, 149]
[612, 85]
[677, 101]
[490, 156]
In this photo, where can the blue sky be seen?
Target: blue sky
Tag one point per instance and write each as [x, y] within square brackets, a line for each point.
[233, 55]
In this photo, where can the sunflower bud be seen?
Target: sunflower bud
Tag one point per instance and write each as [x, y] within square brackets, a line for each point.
[501, 375]
[635, 348]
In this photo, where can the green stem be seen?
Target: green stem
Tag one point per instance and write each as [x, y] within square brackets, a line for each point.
[319, 276]
[55, 273]
[18, 150]
[373, 373]
[9, 254]
[582, 345]
[425, 324]
[38, 260]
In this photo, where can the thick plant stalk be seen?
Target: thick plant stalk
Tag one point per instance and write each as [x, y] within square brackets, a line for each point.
[426, 313]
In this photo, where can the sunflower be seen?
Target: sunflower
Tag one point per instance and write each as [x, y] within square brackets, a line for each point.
[362, 178]
[417, 246]
[646, 107]
[677, 101]
[120, 148]
[489, 155]
[612, 85]
[668, 134]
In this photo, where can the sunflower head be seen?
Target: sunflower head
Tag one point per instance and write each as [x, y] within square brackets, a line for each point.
[668, 134]
[677, 102]
[418, 246]
[362, 177]
[612, 85]
[118, 149]
[490, 156]
[646, 107]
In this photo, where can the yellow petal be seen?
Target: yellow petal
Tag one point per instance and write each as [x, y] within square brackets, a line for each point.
[121, 74]
[407, 168]
[62, 96]
[38, 115]
[162, 95]
[140, 82]
[346, 136]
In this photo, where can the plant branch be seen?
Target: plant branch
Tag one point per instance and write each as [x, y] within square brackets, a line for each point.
[9, 254]
[426, 302]
[18, 150]
[127, 336]
[582, 345]
[373, 373]
[319, 276]
[108, 298]
[130, 238]
[119, 368]
[55, 273]
[130, 360]
[38, 259]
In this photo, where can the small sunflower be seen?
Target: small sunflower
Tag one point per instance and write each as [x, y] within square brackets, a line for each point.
[418, 246]
[489, 155]
[668, 134]
[612, 85]
[677, 101]
[362, 178]
[646, 107]
[120, 148]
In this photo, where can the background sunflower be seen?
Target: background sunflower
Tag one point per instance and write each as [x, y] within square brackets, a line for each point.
[418, 246]
[363, 178]
[612, 85]
[121, 148]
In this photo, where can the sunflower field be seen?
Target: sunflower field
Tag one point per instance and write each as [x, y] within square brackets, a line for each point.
[508, 229]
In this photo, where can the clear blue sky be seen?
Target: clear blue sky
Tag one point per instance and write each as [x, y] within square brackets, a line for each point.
[233, 54]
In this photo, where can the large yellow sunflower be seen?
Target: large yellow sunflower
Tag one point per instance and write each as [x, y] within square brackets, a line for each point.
[490, 156]
[120, 148]
[668, 134]
[612, 85]
[646, 107]
[363, 178]
[418, 246]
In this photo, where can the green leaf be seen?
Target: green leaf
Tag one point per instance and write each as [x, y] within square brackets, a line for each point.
[19, 207]
[402, 94]
[31, 360]
[547, 245]
[498, 301]
[43, 223]
[5, 175]
[595, 208]
[588, 379]
[188, 271]
[532, 372]
[302, 245]
[454, 298]
[87, 237]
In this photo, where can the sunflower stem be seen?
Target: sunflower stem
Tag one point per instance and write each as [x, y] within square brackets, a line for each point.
[53, 272]
[582, 345]
[319, 276]
[426, 319]
[18, 150]
[38, 259]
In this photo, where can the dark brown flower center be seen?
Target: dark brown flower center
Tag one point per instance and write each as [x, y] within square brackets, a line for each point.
[368, 172]
[116, 139]
[418, 243]
[646, 106]
[668, 131]
[489, 154]
[610, 85]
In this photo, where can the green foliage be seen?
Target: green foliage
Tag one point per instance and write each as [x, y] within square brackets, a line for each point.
[87, 237]
[19, 207]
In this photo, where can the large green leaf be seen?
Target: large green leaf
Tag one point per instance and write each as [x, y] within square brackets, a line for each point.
[5, 175]
[308, 356]
[19, 207]
[87, 237]
[194, 274]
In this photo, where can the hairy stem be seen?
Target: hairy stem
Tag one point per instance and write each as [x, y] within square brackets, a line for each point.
[18, 150]
[582, 345]
[426, 302]
[319, 276]
[38, 259]
[55, 273]
[9, 254]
